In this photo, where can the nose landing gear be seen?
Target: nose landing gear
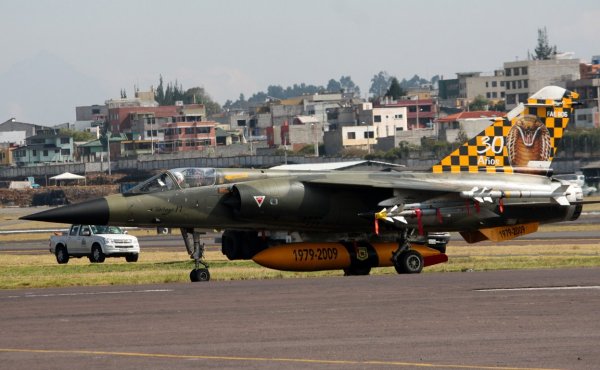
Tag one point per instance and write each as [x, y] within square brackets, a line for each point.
[196, 252]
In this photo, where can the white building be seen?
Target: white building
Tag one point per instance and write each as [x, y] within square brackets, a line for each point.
[524, 78]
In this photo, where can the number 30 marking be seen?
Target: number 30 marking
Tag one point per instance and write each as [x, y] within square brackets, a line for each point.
[496, 146]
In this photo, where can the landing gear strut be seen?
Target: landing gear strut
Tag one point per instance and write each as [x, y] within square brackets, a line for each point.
[406, 260]
[196, 252]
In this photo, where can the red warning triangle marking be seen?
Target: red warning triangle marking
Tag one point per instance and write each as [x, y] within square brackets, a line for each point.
[259, 200]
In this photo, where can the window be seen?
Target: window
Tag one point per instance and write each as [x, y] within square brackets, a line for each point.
[523, 98]
[369, 134]
[241, 122]
[376, 118]
[516, 71]
[45, 153]
[398, 116]
[502, 94]
[526, 84]
[519, 85]
[511, 99]
[74, 230]
[85, 229]
[523, 70]
[488, 95]
[95, 111]
[487, 84]
[34, 153]
[514, 84]
[502, 83]
[351, 135]
[189, 130]
[494, 83]
[494, 94]
[203, 130]
[65, 151]
[507, 71]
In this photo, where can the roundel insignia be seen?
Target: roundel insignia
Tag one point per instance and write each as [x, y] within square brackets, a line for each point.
[259, 200]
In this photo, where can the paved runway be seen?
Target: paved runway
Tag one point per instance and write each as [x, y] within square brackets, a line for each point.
[502, 319]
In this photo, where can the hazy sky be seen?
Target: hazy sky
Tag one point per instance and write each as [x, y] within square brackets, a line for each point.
[59, 54]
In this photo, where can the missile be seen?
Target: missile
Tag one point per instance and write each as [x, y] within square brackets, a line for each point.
[336, 256]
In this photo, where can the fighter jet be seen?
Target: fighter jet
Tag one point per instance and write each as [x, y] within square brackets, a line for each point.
[496, 186]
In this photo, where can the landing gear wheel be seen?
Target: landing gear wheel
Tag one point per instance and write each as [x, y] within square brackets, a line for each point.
[62, 256]
[409, 262]
[201, 274]
[357, 271]
[97, 255]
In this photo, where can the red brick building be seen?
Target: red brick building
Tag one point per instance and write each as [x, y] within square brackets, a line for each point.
[187, 136]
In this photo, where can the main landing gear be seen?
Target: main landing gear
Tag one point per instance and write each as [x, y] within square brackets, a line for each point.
[406, 260]
[196, 251]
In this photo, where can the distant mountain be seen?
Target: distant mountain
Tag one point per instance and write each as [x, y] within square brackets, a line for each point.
[45, 90]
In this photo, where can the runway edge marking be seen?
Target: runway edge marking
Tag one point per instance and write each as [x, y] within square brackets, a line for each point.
[264, 359]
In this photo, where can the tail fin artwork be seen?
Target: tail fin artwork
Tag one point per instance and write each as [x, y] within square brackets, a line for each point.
[524, 141]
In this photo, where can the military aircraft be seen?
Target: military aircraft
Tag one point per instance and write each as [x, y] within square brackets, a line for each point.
[496, 186]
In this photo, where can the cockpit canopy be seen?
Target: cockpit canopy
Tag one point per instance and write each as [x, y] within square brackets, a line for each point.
[178, 178]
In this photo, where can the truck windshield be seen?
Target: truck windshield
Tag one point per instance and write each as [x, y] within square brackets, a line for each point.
[100, 229]
[178, 178]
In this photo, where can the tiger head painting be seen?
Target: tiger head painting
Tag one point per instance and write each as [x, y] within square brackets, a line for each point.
[528, 140]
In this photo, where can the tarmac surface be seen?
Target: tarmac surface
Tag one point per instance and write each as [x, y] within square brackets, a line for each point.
[473, 320]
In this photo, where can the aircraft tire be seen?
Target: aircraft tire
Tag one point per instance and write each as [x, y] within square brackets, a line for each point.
[62, 256]
[409, 262]
[199, 275]
[97, 256]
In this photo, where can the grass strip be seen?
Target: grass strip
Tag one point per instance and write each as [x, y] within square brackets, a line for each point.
[42, 271]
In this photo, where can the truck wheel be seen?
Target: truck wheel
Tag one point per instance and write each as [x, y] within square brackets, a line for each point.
[132, 257]
[62, 256]
[97, 255]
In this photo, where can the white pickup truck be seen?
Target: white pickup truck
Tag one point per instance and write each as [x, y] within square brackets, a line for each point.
[95, 242]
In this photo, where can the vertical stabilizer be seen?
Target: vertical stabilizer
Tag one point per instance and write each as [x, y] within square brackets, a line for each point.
[524, 141]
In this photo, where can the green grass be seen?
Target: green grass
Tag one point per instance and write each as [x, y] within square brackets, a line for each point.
[42, 271]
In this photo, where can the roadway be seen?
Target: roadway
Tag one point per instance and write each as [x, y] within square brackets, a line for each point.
[473, 320]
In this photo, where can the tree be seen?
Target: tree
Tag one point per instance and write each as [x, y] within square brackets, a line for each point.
[543, 50]
[334, 86]
[395, 91]
[159, 95]
[379, 84]
[78, 135]
[349, 86]
[479, 103]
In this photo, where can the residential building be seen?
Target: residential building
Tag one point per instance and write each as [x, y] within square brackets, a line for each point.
[91, 113]
[460, 92]
[359, 136]
[524, 78]
[187, 136]
[45, 147]
[6, 154]
[470, 123]
[420, 112]
[588, 87]
[13, 131]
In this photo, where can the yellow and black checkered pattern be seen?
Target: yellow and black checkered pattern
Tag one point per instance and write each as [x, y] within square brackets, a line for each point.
[487, 152]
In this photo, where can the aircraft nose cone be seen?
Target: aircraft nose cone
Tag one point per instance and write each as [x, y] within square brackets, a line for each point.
[94, 212]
